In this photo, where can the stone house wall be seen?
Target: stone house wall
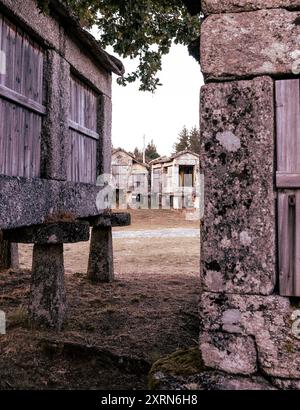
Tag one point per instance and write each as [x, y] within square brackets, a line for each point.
[165, 180]
[131, 178]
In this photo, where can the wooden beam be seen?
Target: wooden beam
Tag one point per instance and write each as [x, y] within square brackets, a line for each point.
[287, 180]
[20, 99]
[83, 130]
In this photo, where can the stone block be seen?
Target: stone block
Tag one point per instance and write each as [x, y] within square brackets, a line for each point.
[267, 320]
[229, 353]
[263, 42]
[52, 233]
[237, 160]
[236, 6]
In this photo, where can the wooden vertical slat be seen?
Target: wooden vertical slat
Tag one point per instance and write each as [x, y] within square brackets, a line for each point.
[20, 127]
[83, 111]
[288, 161]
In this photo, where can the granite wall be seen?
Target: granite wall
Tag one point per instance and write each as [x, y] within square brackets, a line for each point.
[247, 328]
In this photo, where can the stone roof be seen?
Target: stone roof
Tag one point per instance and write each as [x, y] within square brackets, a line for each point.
[115, 150]
[73, 27]
[172, 157]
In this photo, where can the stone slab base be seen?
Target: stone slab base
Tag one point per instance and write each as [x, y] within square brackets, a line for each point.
[60, 232]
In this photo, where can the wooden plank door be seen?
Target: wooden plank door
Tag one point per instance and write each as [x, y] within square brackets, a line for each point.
[288, 184]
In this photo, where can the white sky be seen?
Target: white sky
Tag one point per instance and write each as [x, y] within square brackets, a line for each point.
[162, 115]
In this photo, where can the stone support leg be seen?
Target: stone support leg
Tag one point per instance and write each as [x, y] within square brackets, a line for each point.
[47, 304]
[101, 268]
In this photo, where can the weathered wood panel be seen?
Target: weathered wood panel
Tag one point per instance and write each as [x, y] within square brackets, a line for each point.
[21, 102]
[288, 173]
[83, 106]
[20, 135]
[24, 62]
[82, 166]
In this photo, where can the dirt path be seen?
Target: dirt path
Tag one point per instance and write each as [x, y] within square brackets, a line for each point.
[114, 332]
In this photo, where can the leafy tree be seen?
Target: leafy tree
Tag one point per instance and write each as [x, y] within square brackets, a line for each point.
[188, 140]
[143, 29]
[183, 141]
[195, 140]
[151, 152]
[138, 154]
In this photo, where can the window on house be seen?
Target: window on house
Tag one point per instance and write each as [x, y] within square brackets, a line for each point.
[83, 130]
[21, 102]
[186, 175]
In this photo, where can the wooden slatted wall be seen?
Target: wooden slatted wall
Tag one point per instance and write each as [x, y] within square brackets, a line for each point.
[288, 184]
[21, 102]
[82, 165]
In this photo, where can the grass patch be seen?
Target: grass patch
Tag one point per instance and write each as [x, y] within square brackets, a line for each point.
[185, 362]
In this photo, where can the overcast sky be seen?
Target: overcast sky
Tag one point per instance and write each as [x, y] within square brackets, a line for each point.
[162, 115]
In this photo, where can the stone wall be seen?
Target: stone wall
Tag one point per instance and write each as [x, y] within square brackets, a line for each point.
[247, 328]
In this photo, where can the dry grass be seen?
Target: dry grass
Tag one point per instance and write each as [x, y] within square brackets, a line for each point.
[148, 312]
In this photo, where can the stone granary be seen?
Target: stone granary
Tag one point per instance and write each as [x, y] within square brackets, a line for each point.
[175, 181]
[131, 179]
[55, 139]
[250, 136]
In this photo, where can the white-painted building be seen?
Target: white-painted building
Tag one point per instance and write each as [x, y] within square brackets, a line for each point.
[175, 181]
[131, 179]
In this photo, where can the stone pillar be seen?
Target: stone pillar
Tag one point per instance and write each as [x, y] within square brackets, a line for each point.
[247, 328]
[101, 267]
[56, 145]
[47, 306]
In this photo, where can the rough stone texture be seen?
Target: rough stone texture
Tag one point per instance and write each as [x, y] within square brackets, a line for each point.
[111, 219]
[104, 153]
[210, 380]
[60, 232]
[101, 267]
[47, 306]
[248, 44]
[228, 6]
[55, 136]
[229, 353]
[265, 319]
[237, 155]
[25, 202]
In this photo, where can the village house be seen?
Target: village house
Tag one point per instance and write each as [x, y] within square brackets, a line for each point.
[55, 139]
[131, 180]
[175, 181]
